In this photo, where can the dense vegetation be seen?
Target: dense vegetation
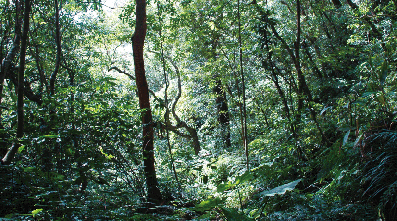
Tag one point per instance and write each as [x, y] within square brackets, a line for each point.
[259, 110]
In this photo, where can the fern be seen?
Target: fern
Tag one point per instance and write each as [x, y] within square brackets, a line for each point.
[379, 171]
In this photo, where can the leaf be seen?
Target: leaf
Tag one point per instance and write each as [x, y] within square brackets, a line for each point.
[56, 176]
[50, 136]
[345, 138]
[209, 204]
[233, 214]
[36, 211]
[358, 139]
[21, 148]
[369, 93]
[9, 216]
[381, 99]
[223, 187]
[325, 109]
[247, 176]
[30, 169]
[281, 189]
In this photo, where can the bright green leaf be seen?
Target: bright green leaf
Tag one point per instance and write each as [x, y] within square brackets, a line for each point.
[209, 204]
[21, 148]
[36, 211]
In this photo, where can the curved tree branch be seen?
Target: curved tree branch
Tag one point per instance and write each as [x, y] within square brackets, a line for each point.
[180, 123]
[133, 78]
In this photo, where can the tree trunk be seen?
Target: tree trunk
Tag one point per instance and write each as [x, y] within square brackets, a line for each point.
[7, 61]
[223, 111]
[59, 49]
[11, 152]
[243, 89]
[221, 101]
[138, 40]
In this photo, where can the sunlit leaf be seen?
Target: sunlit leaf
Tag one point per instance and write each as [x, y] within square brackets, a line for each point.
[36, 211]
[223, 187]
[21, 148]
[50, 136]
[280, 190]
[209, 204]
[247, 176]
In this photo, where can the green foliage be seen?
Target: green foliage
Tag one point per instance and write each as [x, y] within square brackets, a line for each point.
[234, 215]
[327, 156]
[209, 204]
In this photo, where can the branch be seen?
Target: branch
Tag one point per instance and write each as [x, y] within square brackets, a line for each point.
[367, 19]
[98, 3]
[122, 72]
[133, 78]
[28, 92]
[178, 96]
[192, 131]
[291, 54]
[174, 129]
[10, 154]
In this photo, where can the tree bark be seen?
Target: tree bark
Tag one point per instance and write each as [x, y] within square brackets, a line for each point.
[337, 3]
[223, 111]
[221, 102]
[180, 123]
[243, 88]
[268, 62]
[167, 112]
[138, 40]
[7, 61]
[59, 49]
[192, 131]
[24, 39]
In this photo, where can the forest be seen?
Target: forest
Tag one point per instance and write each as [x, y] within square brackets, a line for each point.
[229, 110]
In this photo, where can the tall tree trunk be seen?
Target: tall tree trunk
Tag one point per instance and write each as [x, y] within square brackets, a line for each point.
[7, 61]
[223, 110]
[303, 89]
[59, 49]
[243, 88]
[138, 40]
[221, 102]
[11, 152]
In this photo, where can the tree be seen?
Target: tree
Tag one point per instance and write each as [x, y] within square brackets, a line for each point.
[138, 40]
[21, 84]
